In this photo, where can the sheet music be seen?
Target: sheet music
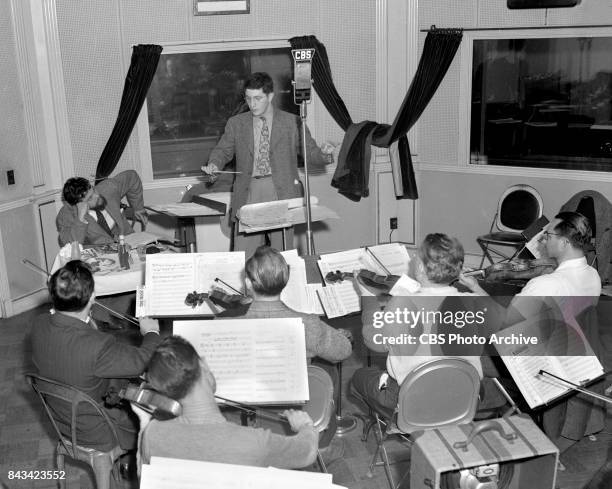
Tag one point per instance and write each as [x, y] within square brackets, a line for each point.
[297, 294]
[258, 361]
[167, 472]
[184, 209]
[525, 362]
[580, 369]
[170, 277]
[536, 389]
[339, 299]
[228, 266]
[393, 256]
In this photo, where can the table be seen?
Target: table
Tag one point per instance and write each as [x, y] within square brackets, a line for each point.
[202, 218]
[108, 276]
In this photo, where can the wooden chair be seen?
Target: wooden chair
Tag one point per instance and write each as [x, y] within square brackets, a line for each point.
[102, 463]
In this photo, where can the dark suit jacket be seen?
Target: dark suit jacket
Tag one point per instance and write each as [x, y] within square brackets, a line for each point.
[285, 145]
[125, 184]
[73, 352]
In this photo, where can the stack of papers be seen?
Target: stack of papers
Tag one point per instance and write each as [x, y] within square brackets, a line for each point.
[341, 298]
[163, 473]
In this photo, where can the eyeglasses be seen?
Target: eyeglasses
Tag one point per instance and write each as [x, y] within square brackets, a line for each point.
[547, 234]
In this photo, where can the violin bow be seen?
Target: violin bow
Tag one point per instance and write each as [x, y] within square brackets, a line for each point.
[264, 413]
[229, 287]
[36, 268]
[386, 270]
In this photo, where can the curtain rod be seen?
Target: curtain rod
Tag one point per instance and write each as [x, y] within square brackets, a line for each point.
[433, 28]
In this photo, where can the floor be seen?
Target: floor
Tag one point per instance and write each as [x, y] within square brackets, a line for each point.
[27, 442]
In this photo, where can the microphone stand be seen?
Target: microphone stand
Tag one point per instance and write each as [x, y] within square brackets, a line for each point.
[309, 237]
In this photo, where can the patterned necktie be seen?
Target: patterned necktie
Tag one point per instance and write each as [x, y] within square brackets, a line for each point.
[102, 222]
[262, 164]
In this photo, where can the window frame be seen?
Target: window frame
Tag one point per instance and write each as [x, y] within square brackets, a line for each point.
[142, 124]
[465, 100]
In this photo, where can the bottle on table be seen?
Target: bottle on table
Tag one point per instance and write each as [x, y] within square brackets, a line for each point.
[124, 255]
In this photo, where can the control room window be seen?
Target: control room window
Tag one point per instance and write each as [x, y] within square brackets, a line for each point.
[543, 103]
[194, 93]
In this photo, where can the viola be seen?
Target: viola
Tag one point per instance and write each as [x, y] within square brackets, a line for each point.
[372, 280]
[519, 269]
[218, 297]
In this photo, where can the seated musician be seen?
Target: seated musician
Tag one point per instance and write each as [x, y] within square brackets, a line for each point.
[267, 274]
[572, 287]
[438, 264]
[201, 432]
[67, 347]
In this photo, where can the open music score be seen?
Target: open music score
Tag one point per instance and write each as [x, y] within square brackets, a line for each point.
[163, 473]
[298, 294]
[525, 362]
[170, 277]
[255, 361]
[342, 298]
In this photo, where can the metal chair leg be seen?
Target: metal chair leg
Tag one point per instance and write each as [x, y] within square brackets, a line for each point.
[321, 462]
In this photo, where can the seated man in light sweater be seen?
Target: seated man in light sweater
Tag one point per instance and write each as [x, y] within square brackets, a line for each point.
[201, 432]
[438, 265]
[267, 274]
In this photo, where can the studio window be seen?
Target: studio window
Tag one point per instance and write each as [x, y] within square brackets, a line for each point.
[192, 96]
[542, 103]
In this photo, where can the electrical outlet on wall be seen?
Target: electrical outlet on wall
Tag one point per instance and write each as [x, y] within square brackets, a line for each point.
[10, 177]
[393, 222]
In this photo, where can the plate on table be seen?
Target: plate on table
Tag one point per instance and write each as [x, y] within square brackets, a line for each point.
[102, 264]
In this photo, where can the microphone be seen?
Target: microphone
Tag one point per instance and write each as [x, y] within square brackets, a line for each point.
[302, 74]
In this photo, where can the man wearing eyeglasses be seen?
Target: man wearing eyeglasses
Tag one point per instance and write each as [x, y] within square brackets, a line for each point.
[573, 287]
[565, 239]
[266, 142]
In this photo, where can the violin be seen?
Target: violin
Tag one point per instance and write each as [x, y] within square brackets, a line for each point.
[519, 269]
[159, 406]
[379, 283]
[219, 298]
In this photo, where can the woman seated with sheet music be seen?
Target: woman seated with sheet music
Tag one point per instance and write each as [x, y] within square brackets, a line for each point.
[267, 274]
[201, 432]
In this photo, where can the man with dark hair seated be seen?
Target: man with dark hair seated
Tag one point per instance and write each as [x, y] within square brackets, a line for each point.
[67, 347]
[201, 432]
[439, 263]
[267, 274]
[92, 215]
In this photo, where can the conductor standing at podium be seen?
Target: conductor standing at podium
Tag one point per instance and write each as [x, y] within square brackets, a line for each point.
[266, 142]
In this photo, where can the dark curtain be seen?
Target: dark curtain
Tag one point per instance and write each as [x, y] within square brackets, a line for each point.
[351, 174]
[137, 82]
[322, 80]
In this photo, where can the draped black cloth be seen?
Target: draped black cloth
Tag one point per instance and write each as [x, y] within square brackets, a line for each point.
[137, 82]
[438, 52]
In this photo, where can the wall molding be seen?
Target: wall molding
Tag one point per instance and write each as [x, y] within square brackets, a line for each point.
[549, 174]
[34, 199]
[23, 45]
